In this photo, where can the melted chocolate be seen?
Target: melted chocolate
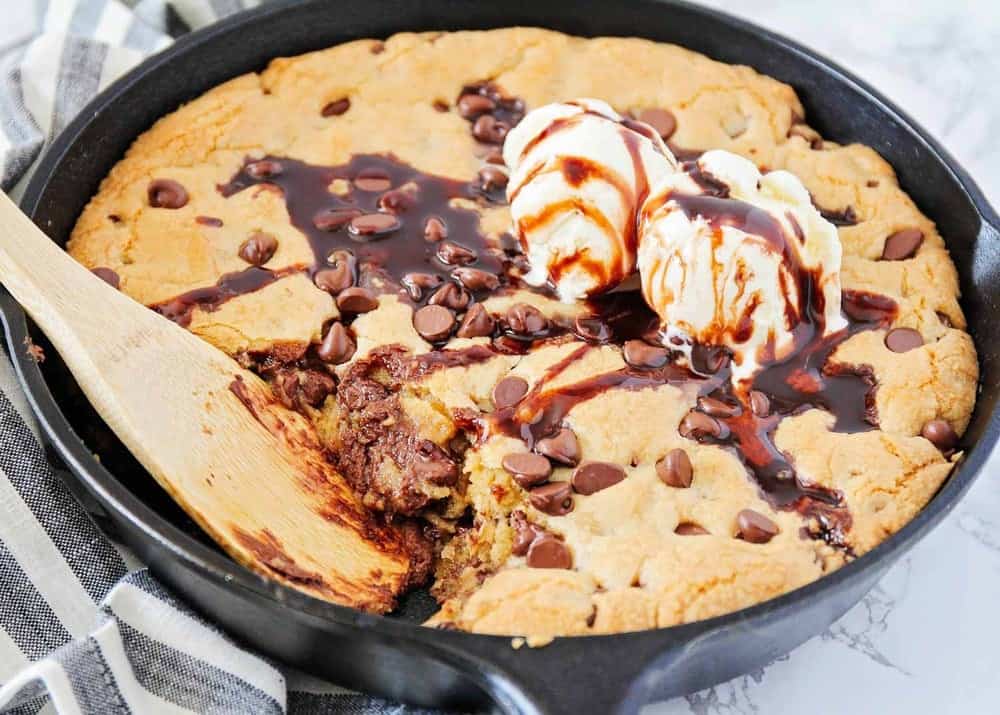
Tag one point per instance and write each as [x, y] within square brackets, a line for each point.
[180, 309]
[413, 196]
[705, 181]
[541, 413]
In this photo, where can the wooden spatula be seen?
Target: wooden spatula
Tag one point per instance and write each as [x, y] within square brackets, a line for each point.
[250, 472]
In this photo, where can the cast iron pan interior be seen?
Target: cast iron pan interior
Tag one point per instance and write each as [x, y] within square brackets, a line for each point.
[392, 656]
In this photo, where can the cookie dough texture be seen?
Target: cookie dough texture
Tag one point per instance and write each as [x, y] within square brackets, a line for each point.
[631, 570]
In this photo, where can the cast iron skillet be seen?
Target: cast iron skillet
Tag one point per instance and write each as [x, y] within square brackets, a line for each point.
[393, 656]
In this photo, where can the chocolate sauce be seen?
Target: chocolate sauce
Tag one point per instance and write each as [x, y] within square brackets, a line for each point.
[180, 308]
[720, 211]
[709, 184]
[413, 196]
[540, 413]
[505, 109]
[421, 365]
[624, 315]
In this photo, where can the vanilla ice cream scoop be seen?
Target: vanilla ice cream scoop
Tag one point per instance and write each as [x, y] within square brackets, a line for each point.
[730, 257]
[579, 172]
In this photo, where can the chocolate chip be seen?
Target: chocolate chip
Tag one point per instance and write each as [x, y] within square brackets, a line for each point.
[592, 477]
[264, 169]
[522, 541]
[755, 527]
[315, 387]
[945, 320]
[471, 106]
[108, 276]
[494, 156]
[433, 322]
[477, 323]
[528, 469]
[524, 533]
[902, 244]
[639, 353]
[592, 329]
[332, 219]
[846, 216]
[335, 280]
[166, 194]
[490, 130]
[357, 300]
[372, 180]
[555, 499]
[760, 404]
[417, 283]
[562, 447]
[548, 552]
[525, 319]
[208, 221]
[675, 469]
[451, 295]
[662, 120]
[509, 391]
[336, 107]
[376, 224]
[718, 408]
[396, 201]
[475, 279]
[941, 434]
[901, 340]
[338, 346]
[698, 425]
[689, 528]
[492, 177]
[455, 254]
[259, 248]
[709, 359]
[431, 465]
[435, 230]
[867, 307]
[286, 387]
[440, 105]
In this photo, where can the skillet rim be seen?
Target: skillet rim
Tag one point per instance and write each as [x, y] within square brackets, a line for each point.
[114, 495]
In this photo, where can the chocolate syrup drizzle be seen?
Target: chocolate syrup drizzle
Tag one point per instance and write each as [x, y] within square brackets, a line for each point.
[414, 197]
[576, 171]
[181, 308]
[799, 382]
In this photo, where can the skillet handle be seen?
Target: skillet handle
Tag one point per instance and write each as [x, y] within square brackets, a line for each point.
[571, 676]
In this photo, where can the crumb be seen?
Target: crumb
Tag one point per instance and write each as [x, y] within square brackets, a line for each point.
[35, 352]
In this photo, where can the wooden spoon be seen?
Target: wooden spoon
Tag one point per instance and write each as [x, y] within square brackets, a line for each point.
[250, 472]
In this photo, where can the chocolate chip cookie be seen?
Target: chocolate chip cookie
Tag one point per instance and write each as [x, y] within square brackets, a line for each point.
[339, 223]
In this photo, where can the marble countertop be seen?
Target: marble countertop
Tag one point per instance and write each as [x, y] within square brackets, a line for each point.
[925, 639]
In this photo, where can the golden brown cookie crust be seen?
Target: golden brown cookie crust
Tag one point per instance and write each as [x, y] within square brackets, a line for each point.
[631, 569]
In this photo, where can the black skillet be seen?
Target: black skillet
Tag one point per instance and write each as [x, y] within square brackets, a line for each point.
[394, 656]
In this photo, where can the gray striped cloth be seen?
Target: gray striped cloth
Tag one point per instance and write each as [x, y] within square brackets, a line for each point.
[83, 627]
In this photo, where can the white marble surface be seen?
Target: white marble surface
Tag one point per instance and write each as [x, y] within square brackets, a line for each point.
[925, 640]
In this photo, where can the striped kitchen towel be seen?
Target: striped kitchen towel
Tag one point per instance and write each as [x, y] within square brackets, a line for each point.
[83, 627]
